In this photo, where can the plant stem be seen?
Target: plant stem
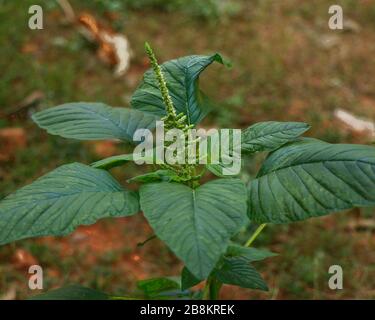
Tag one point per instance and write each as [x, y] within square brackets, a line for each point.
[207, 289]
[211, 289]
[255, 235]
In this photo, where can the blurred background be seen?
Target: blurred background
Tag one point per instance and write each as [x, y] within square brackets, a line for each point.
[287, 65]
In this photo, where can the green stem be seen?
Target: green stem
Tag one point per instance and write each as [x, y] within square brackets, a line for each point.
[207, 289]
[211, 289]
[255, 235]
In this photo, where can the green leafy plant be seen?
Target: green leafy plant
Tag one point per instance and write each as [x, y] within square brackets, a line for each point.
[300, 178]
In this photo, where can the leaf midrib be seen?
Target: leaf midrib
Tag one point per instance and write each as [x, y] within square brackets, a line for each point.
[196, 229]
[271, 133]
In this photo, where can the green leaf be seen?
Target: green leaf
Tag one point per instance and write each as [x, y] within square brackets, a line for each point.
[196, 223]
[159, 175]
[268, 136]
[188, 280]
[156, 286]
[311, 178]
[228, 160]
[182, 77]
[249, 253]
[237, 271]
[216, 169]
[119, 160]
[231, 170]
[112, 162]
[72, 292]
[55, 204]
[93, 121]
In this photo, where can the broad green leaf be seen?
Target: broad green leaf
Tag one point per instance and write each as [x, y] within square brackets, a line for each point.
[230, 162]
[55, 204]
[289, 152]
[249, 253]
[72, 292]
[159, 175]
[216, 169]
[188, 280]
[311, 178]
[237, 271]
[268, 136]
[112, 162]
[93, 121]
[196, 223]
[119, 160]
[231, 169]
[182, 77]
[156, 286]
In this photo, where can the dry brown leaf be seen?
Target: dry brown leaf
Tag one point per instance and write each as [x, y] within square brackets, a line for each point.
[355, 123]
[113, 49]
